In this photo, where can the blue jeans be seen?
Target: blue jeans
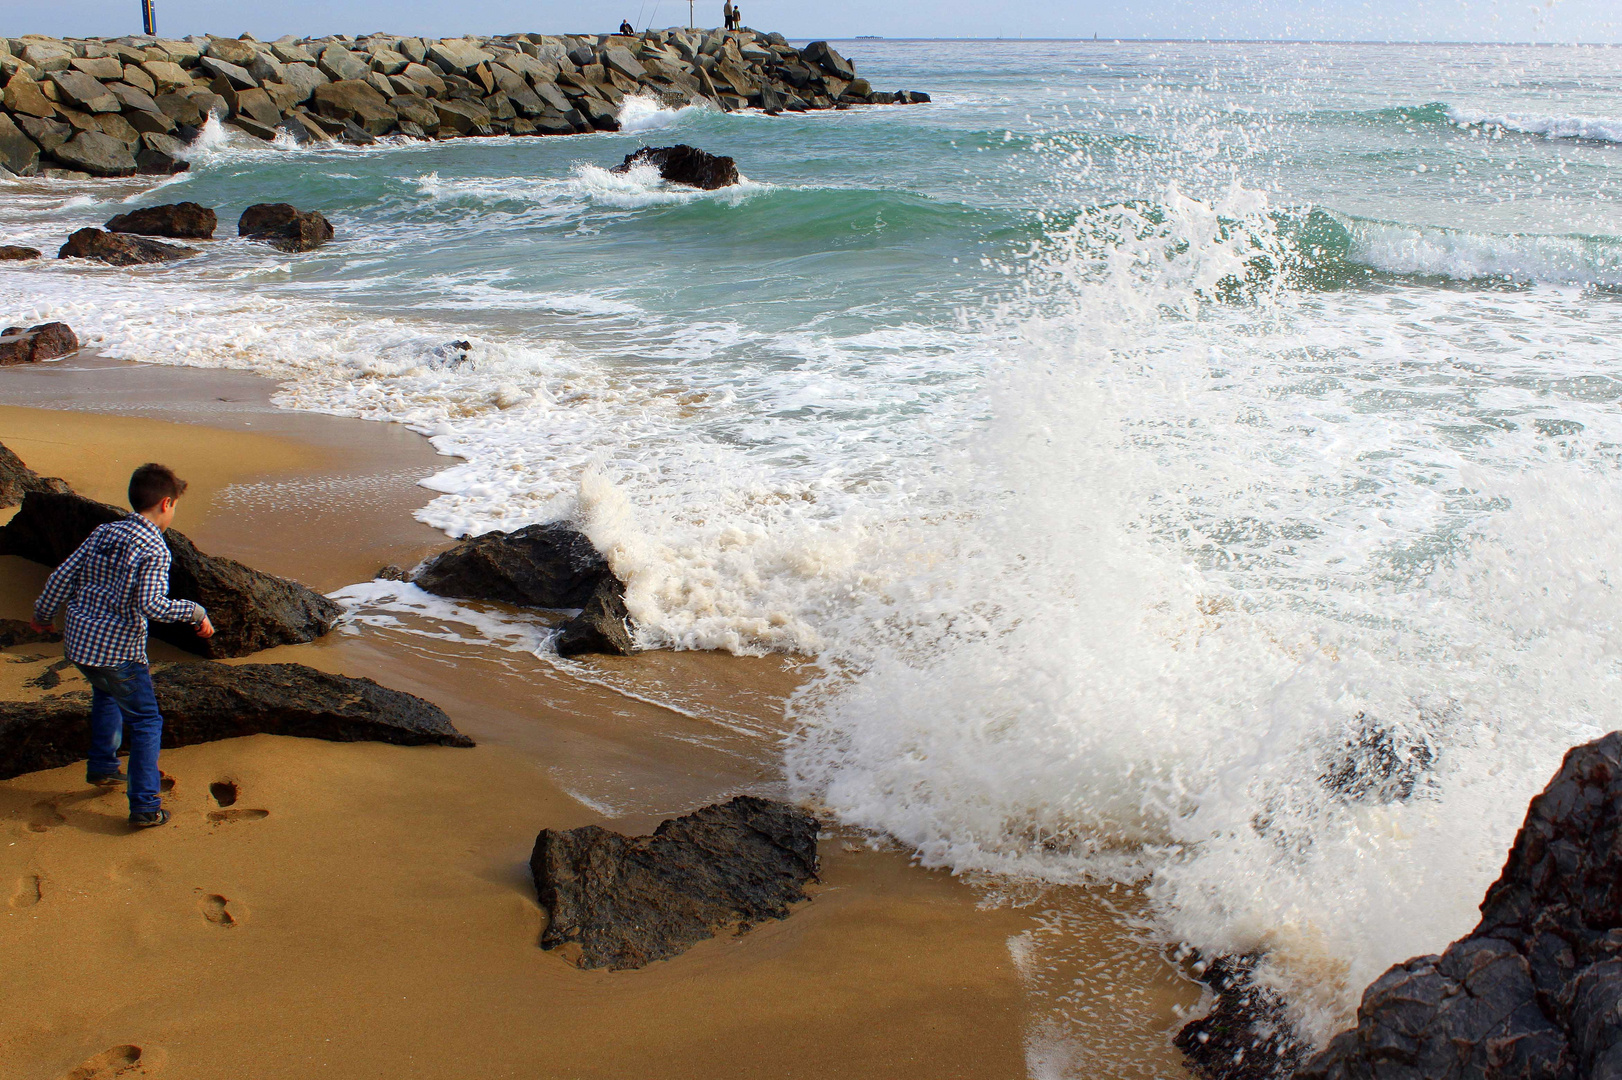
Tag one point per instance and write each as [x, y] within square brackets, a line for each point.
[121, 698]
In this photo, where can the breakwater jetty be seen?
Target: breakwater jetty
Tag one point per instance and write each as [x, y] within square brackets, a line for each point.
[102, 107]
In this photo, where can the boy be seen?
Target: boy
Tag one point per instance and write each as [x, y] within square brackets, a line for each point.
[117, 580]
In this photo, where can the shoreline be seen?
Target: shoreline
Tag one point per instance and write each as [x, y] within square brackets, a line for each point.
[374, 850]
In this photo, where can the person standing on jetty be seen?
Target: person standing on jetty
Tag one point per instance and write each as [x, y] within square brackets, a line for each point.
[729, 15]
[115, 582]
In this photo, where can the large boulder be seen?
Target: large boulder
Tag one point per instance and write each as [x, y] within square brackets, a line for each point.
[284, 226]
[603, 625]
[30, 345]
[683, 164]
[183, 221]
[17, 253]
[160, 155]
[18, 152]
[96, 153]
[17, 480]
[458, 56]
[824, 56]
[119, 249]
[81, 90]
[250, 610]
[356, 101]
[205, 702]
[1534, 992]
[626, 901]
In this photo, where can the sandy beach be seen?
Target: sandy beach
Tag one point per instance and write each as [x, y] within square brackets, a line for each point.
[370, 913]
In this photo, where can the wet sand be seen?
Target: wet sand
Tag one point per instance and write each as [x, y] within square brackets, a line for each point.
[377, 918]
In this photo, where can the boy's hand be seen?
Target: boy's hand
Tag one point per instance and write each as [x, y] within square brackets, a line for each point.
[206, 629]
[41, 628]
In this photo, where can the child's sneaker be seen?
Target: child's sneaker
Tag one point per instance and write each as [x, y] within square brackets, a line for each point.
[107, 779]
[149, 819]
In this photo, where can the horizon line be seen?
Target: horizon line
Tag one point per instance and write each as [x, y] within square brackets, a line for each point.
[1228, 41]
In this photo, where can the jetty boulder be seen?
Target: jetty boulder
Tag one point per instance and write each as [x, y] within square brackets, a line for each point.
[17, 480]
[284, 226]
[18, 152]
[683, 164]
[1535, 990]
[182, 221]
[626, 901]
[119, 249]
[251, 610]
[96, 153]
[205, 702]
[47, 341]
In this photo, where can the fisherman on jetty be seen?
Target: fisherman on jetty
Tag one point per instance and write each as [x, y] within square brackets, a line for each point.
[729, 15]
[626, 28]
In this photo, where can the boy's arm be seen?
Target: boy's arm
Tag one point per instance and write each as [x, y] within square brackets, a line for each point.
[58, 586]
[152, 595]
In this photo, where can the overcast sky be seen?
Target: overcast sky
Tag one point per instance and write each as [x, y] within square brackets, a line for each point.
[1413, 20]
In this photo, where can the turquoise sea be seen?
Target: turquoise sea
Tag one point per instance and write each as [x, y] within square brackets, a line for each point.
[1191, 465]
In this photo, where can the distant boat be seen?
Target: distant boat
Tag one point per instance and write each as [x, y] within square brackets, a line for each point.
[869, 37]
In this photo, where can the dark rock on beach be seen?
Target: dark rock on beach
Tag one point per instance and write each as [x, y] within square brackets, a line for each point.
[550, 566]
[17, 632]
[625, 902]
[17, 479]
[46, 341]
[181, 221]
[1534, 992]
[204, 702]
[17, 253]
[251, 610]
[119, 249]
[683, 164]
[547, 566]
[284, 226]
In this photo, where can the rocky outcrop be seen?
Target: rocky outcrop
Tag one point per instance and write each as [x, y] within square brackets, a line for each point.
[17, 632]
[106, 106]
[180, 221]
[683, 164]
[1247, 1034]
[546, 566]
[284, 226]
[250, 610]
[204, 702]
[119, 249]
[1534, 992]
[30, 345]
[624, 902]
[17, 479]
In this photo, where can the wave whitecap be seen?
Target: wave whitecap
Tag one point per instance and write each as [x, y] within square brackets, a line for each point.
[1593, 128]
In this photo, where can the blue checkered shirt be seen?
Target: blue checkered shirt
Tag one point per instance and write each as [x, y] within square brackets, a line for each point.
[116, 581]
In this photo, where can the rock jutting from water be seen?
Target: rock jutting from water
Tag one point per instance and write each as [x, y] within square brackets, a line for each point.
[30, 345]
[284, 226]
[178, 221]
[683, 164]
[626, 901]
[1535, 990]
[116, 107]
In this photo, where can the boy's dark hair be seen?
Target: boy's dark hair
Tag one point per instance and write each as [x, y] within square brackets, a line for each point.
[153, 483]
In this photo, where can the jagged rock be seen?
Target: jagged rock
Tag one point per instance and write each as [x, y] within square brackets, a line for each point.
[284, 226]
[49, 134]
[625, 902]
[18, 152]
[392, 573]
[550, 566]
[17, 253]
[462, 117]
[82, 90]
[47, 341]
[182, 221]
[17, 480]
[823, 55]
[250, 610]
[132, 98]
[234, 77]
[119, 249]
[340, 65]
[618, 58]
[230, 50]
[96, 153]
[683, 164]
[1533, 991]
[100, 68]
[205, 702]
[302, 79]
[603, 625]
[17, 632]
[459, 57]
[24, 96]
[356, 101]
[257, 105]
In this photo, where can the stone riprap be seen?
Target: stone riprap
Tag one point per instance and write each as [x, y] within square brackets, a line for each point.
[116, 107]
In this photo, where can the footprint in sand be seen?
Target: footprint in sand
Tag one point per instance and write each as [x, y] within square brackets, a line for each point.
[225, 794]
[166, 783]
[108, 1064]
[45, 816]
[28, 892]
[213, 907]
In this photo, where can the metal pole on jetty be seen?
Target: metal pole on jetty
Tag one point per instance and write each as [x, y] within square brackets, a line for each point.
[149, 18]
[689, 14]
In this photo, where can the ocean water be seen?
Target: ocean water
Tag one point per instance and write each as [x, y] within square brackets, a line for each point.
[1192, 466]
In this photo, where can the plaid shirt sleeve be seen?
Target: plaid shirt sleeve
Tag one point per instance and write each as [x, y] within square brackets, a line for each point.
[59, 585]
[152, 593]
